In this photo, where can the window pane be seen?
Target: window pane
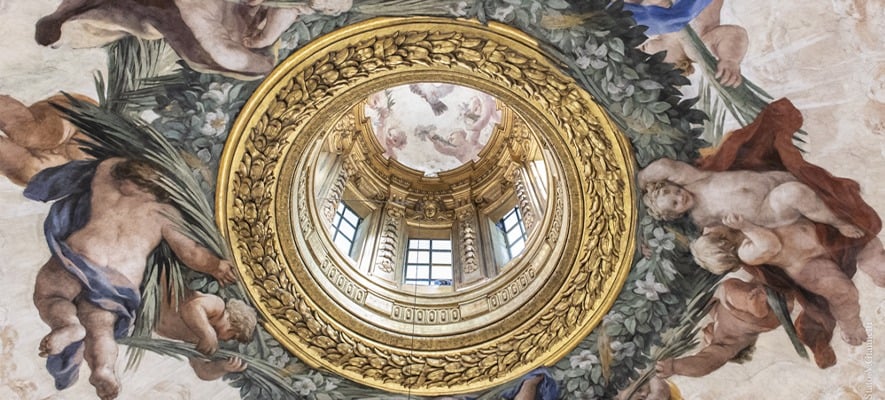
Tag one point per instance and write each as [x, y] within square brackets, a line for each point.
[343, 228]
[351, 217]
[422, 244]
[423, 257]
[442, 272]
[343, 244]
[422, 271]
[517, 248]
[510, 221]
[347, 230]
[442, 257]
[410, 272]
[444, 244]
[513, 236]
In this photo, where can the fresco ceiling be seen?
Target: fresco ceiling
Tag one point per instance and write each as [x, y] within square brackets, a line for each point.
[826, 57]
[432, 127]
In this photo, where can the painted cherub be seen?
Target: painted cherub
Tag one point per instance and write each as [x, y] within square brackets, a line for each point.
[656, 388]
[37, 137]
[728, 43]
[88, 291]
[740, 315]
[204, 319]
[218, 36]
[769, 199]
[796, 249]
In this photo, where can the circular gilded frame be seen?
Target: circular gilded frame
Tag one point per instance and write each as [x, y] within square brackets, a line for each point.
[300, 102]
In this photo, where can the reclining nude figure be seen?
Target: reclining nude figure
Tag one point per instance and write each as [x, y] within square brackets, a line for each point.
[769, 199]
[204, 319]
[795, 249]
[88, 291]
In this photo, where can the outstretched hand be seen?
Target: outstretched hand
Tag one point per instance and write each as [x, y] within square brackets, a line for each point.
[728, 73]
[225, 273]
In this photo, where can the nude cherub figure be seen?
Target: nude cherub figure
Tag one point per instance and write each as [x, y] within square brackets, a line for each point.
[128, 220]
[210, 35]
[655, 389]
[460, 144]
[37, 137]
[204, 319]
[796, 249]
[769, 199]
[740, 315]
[728, 43]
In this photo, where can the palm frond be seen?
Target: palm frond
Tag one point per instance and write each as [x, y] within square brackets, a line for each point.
[136, 70]
[405, 7]
[683, 337]
[259, 371]
[778, 303]
[743, 102]
[113, 135]
[710, 103]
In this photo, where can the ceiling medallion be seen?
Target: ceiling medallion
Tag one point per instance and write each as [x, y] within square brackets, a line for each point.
[332, 316]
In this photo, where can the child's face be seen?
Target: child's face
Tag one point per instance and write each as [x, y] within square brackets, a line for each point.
[672, 198]
[223, 328]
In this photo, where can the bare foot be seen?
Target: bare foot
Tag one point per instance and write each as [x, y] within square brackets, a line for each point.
[855, 336]
[850, 231]
[105, 382]
[48, 30]
[825, 357]
[529, 388]
[59, 338]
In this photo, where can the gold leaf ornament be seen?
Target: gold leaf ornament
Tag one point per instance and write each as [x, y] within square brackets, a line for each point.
[264, 206]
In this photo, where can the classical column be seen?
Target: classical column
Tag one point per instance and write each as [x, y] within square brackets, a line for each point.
[336, 191]
[389, 242]
[523, 199]
[468, 244]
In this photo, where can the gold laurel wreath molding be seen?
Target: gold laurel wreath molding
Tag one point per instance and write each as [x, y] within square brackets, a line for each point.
[299, 103]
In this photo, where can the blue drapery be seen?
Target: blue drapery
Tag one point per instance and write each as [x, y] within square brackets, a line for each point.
[70, 186]
[660, 20]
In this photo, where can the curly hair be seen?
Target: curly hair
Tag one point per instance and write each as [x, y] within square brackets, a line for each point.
[717, 251]
[651, 193]
[142, 173]
[243, 319]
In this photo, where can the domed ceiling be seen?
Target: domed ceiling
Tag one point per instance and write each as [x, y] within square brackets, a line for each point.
[432, 127]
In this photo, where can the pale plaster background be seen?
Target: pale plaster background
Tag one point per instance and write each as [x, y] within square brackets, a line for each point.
[827, 56]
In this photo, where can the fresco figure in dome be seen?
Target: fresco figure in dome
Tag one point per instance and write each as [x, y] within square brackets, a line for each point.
[37, 137]
[108, 219]
[759, 176]
[666, 18]
[796, 249]
[740, 315]
[769, 198]
[203, 319]
[215, 36]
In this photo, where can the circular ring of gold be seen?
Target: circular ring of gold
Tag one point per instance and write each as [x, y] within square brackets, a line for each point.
[282, 258]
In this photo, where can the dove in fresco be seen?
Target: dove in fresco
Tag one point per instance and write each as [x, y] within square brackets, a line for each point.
[432, 93]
